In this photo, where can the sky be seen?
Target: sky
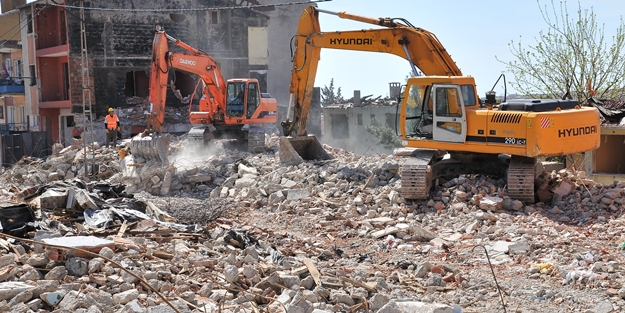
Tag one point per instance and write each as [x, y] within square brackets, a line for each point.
[475, 34]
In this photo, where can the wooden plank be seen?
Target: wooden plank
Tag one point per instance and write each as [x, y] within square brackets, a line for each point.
[314, 272]
[122, 229]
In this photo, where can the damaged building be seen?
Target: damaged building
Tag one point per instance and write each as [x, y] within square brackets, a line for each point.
[607, 163]
[117, 45]
[345, 124]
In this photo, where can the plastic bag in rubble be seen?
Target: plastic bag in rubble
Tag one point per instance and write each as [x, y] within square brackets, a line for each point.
[578, 276]
[275, 255]
[98, 218]
[391, 242]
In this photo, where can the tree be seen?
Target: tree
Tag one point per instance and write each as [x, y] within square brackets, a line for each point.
[328, 96]
[386, 136]
[570, 57]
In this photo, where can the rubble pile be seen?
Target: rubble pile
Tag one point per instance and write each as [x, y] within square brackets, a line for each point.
[136, 115]
[66, 163]
[364, 101]
[322, 236]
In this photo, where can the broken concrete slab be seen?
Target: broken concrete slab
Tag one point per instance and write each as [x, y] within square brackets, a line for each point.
[89, 243]
[84, 200]
[491, 203]
[298, 194]
[397, 306]
[10, 289]
[53, 198]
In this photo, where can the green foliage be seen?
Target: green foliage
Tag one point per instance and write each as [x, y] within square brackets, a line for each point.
[328, 96]
[572, 55]
[385, 135]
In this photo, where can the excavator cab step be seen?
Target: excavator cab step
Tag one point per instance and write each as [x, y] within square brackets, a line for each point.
[294, 150]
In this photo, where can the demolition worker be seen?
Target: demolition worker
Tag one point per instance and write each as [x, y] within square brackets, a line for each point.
[112, 127]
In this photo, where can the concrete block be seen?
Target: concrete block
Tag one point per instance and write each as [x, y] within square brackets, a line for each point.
[53, 198]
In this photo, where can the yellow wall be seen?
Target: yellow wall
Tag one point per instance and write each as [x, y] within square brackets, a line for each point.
[9, 25]
[257, 45]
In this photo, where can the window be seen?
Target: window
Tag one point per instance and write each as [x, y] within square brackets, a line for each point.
[29, 20]
[448, 102]
[252, 99]
[66, 81]
[33, 76]
[213, 17]
[359, 119]
[34, 121]
[17, 69]
[10, 115]
[63, 26]
[468, 95]
[7, 68]
[340, 126]
[137, 84]
[414, 108]
[390, 119]
[236, 98]
[22, 116]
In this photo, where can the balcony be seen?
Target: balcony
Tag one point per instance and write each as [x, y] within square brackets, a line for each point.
[13, 127]
[11, 86]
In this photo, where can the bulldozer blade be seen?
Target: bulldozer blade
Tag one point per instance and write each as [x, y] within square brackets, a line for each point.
[151, 147]
[294, 150]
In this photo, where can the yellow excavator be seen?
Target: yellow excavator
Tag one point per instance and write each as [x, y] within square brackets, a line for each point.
[441, 116]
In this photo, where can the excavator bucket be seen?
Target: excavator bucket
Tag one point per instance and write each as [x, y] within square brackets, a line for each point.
[152, 148]
[294, 150]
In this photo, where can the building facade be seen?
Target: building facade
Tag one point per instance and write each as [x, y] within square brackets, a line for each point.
[13, 115]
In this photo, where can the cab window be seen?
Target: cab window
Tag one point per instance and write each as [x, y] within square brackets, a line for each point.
[468, 95]
[448, 102]
[252, 99]
[414, 106]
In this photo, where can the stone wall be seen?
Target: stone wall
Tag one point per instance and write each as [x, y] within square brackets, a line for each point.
[120, 41]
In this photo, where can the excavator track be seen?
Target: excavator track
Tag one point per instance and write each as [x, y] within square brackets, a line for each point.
[416, 175]
[256, 139]
[521, 175]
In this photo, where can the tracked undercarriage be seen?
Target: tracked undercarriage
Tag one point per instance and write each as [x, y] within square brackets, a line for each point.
[251, 138]
[423, 167]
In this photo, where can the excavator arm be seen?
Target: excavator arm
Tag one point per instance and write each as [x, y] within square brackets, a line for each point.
[418, 46]
[197, 62]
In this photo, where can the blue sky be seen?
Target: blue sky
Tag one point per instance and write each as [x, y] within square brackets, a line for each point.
[473, 32]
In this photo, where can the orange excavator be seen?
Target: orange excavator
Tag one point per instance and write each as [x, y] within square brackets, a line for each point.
[447, 128]
[232, 109]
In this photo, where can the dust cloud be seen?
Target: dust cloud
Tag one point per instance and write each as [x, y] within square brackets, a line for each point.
[192, 155]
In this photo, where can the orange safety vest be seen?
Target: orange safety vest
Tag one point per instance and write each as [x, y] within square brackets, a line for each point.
[111, 121]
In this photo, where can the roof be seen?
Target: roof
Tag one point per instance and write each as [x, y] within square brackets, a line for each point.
[611, 111]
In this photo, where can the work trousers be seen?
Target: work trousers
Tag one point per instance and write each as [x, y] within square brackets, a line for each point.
[112, 133]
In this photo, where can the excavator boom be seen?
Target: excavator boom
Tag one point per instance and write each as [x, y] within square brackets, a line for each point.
[419, 47]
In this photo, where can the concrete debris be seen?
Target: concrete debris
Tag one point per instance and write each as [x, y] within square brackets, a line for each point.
[226, 230]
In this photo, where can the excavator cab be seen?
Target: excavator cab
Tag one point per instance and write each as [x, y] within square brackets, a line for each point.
[436, 109]
[242, 98]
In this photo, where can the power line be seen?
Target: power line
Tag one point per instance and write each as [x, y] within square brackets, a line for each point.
[187, 10]
[25, 24]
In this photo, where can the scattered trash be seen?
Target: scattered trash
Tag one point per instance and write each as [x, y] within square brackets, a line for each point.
[544, 268]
